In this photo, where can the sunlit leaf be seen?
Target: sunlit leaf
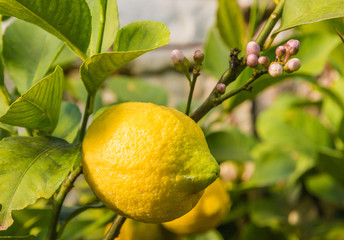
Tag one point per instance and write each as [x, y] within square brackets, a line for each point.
[296, 12]
[39, 107]
[28, 53]
[231, 23]
[31, 168]
[68, 20]
[132, 41]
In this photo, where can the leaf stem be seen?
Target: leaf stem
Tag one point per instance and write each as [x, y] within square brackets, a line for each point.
[115, 228]
[269, 25]
[101, 28]
[85, 118]
[58, 201]
[236, 67]
[192, 88]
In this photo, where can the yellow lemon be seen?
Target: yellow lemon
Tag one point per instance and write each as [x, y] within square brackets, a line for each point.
[147, 162]
[133, 230]
[208, 213]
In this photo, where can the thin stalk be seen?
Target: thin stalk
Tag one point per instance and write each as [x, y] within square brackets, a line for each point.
[101, 28]
[58, 201]
[85, 119]
[115, 228]
[269, 25]
[192, 88]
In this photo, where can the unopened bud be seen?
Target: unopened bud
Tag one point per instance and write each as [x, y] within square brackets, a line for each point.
[280, 51]
[264, 61]
[198, 57]
[252, 48]
[275, 69]
[220, 88]
[177, 56]
[228, 171]
[252, 60]
[292, 47]
[292, 65]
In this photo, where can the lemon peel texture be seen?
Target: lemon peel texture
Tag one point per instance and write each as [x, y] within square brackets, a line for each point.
[147, 162]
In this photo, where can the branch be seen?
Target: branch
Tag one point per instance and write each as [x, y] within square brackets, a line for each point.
[115, 228]
[236, 67]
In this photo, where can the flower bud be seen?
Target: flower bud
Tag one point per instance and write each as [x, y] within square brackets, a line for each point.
[198, 57]
[264, 61]
[280, 51]
[252, 48]
[177, 56]
[220, 88]
[292, 65]
[252, 60]
[275, 69]
[292, 47]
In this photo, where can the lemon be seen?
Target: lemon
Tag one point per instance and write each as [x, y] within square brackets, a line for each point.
[208, 213]
[147, 162]
[133, 230]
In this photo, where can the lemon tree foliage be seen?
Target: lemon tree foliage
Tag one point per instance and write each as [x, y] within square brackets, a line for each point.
[131, 42]
[39, 107]
[31, 168]
[54, 16]
[29, 53]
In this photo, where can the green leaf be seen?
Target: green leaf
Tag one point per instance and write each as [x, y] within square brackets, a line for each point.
[103, 10]
[231, 23]
[230, 145]
[132, 41]
[28, 53]
[31, 168]
[293, 127]
[19, 237]
[273, 164]
[68, 20]
[68, 123]
[332, 162]
[216, 54]
[209, 235]
[39, 107]
[326, 188]
[296, 12]
[128, 89]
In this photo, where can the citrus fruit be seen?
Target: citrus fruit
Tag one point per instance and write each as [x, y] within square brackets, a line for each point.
[133, 230]
[147, 162]
[208, 213]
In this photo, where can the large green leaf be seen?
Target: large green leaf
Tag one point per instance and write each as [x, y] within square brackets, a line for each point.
[230, 145]
[68, 20]
[326, 188]
[132, 41]
[296, 12]
[103, 10]
[28, 53]
[332, 162]
[39, 107]
[130, 89]
[231, 23]
[216, 54]
[69, 121]
[31, 168]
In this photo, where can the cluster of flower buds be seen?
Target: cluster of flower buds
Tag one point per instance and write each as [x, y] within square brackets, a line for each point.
[182, 64]
[282, 62]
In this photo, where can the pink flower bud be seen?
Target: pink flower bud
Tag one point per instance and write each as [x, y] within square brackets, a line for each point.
[292, 65]
[252, 60]
[198, 57]
[275, 69]
[177, 56]
[264, 61]
[220, 88]
[252, 48]
[280, 51]
[292, 47]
